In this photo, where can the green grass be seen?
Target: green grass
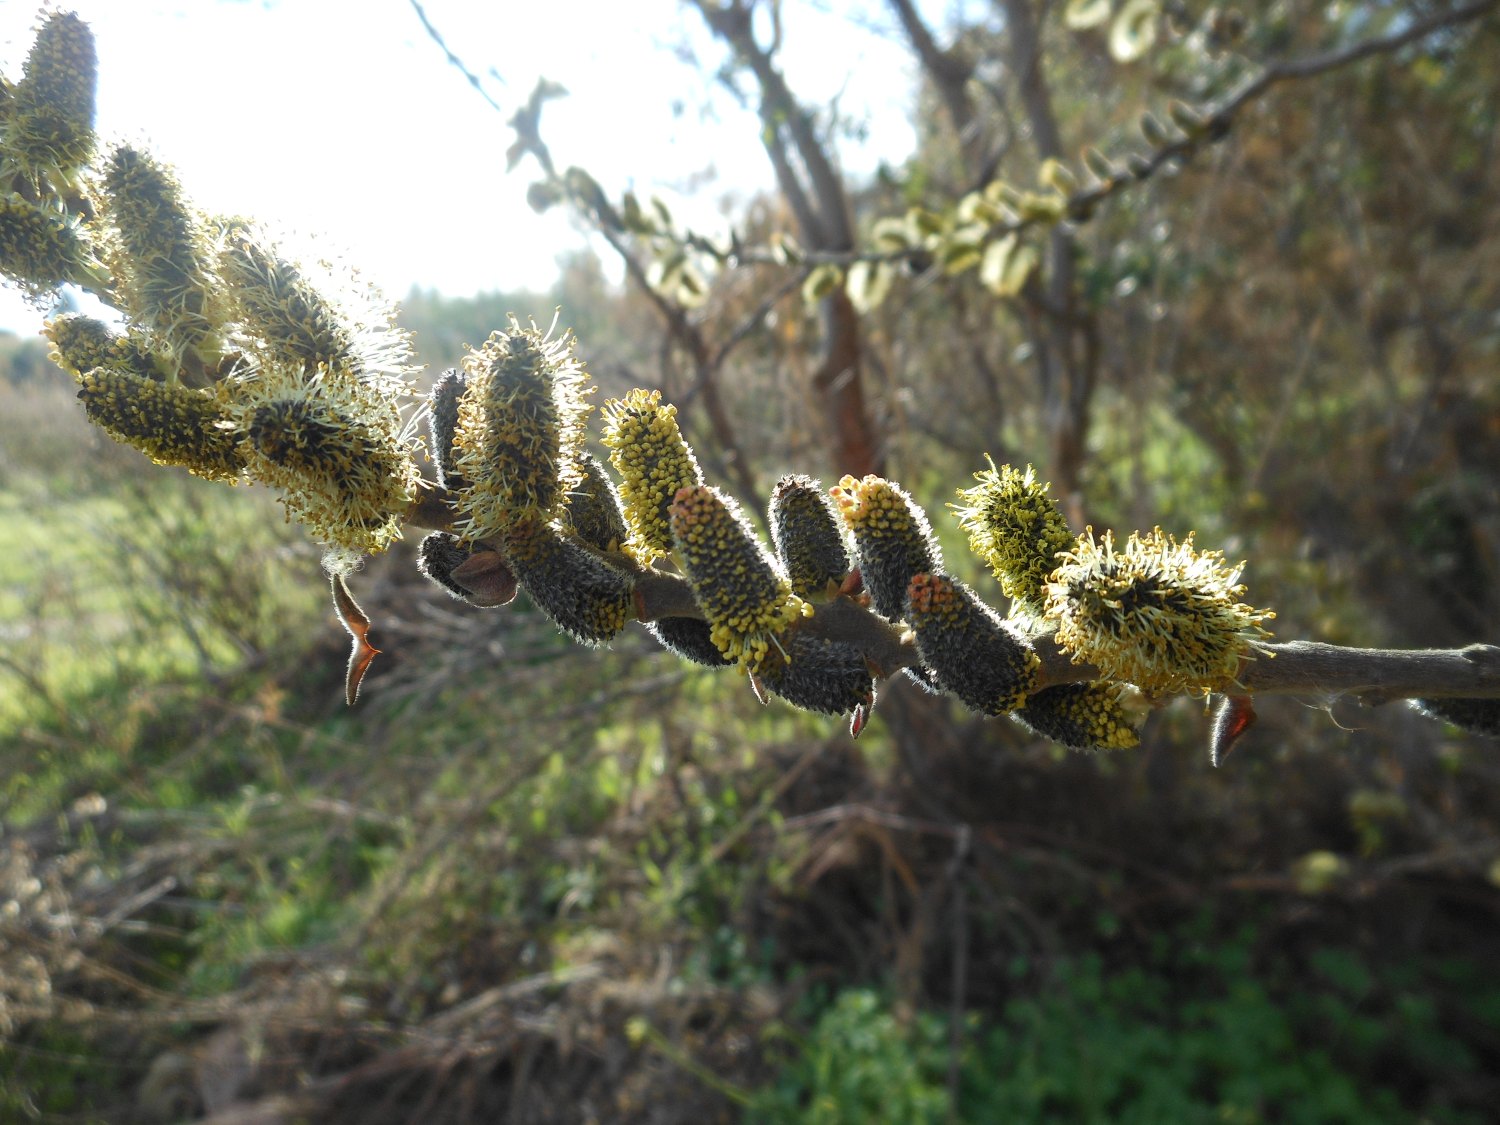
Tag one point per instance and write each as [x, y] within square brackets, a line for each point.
[1201, 1035]
[119, 608]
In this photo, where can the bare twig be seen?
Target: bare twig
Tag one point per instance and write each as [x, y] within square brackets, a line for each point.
[1217, 121]
[1373, 676]
[457, 63]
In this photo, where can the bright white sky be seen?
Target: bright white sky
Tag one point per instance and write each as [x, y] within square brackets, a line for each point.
[343, 119]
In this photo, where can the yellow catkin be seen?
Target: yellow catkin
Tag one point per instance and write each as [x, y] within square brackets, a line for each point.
[275, 303]
[745, 598]
[1016, 528]
[173, 425]
[1090, 716]
[519, 431]
[81, 343]
[653, 462]
[161, 253]
[41, 247]
[336, 448]
[49, 127]
[891, 537]
[968, 648]
[1158, 613]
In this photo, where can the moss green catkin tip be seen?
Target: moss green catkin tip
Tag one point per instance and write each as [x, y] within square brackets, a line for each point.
[1082, 716]
[579, 592]
[81, 343]
[806, 532]
[519, 433]
[1158, 614]
[173, 425]
[593, 508]
[746, 600]
[161, 253]
[335, 447]
[442, 422]
[818, 674]
[653, 461]
[892, 539]
[1017, 529]
[969, 649]
[272, 299]
[49, 126]
[41, 248]
[1477, 716]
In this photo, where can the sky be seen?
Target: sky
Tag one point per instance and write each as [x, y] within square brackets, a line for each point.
[345, 122]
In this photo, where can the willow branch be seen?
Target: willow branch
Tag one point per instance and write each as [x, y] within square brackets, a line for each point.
[453, 60]
[1320, 64]
[1217, 120]
[1376, 676]
[1373, 676]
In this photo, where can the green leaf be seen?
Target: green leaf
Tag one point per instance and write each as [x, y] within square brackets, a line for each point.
[821, 282]
[663, 272]
[785, 249]
[1043, 207]
[996, 258]
[635, 218]
[1080, 15]
[1007, 264]
[869, 284]
[1154, 131]
[976, 208]
[1058, 176]
[926, 222]
[962, 248]
[1099, 164]
[691, 289]
[1134, 31]
[543, 195]
[892, 232]
[1185, 117]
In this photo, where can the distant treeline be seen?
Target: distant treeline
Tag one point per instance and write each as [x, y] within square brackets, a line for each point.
[24, 362]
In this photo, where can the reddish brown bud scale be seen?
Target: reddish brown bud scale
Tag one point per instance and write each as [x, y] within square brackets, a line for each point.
[478, 577]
